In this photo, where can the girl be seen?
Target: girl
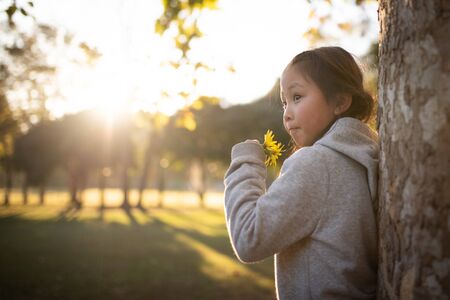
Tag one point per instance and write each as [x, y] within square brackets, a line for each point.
[317, 217]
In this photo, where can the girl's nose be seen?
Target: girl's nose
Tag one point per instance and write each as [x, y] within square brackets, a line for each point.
[287, 114]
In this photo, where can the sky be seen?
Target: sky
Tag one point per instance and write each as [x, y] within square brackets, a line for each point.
[256, 37]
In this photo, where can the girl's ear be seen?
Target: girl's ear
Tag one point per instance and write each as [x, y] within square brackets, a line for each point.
[342, 104]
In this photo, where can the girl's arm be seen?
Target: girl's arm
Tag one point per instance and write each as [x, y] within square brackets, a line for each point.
[262, 223]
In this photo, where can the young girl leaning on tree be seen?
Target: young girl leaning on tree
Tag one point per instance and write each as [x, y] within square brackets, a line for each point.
[317, 217]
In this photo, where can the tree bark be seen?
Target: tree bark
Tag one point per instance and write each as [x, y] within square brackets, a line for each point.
[413, 121]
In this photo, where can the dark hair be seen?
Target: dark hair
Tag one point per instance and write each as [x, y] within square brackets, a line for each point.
[335, 71]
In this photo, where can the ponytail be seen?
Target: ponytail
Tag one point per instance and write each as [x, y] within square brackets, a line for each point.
[362, 106]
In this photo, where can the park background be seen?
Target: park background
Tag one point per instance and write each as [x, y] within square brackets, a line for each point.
[116, 123]
[152, 95]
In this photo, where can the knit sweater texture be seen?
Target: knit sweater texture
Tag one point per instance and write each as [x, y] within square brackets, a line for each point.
[317, 217]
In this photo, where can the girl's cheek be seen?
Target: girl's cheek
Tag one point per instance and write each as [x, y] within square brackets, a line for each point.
[302, 109]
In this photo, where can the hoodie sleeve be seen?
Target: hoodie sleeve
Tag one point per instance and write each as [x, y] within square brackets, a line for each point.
[260, 223]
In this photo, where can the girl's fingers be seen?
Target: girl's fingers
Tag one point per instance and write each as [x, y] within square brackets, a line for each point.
[252, 141]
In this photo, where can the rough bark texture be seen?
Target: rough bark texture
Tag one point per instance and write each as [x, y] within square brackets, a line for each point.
[414, 114]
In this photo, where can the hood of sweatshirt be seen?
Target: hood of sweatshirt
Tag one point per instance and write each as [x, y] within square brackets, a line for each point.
[358, 141]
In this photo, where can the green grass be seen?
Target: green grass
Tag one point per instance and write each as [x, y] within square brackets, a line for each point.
[172, 253]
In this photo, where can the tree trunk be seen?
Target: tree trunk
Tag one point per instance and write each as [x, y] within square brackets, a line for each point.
[8, 183]
[101, 187]
[42, 193]
[161, 186]
[143, 182]
[147, 164]
[73, 196]
[73, 172]
[125, 187]
[25, 190]
[73, 189]
[202, 186]
[82, 184]
[414, 182]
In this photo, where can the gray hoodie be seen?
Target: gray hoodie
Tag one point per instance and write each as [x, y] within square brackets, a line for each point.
[317, 217]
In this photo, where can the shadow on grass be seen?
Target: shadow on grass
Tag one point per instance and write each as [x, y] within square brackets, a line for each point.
[65, 258]
[71, 212]
[219, 242]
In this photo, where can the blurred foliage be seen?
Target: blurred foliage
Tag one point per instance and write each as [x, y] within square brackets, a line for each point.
[218, 128]
[320, 17]
[27, 80]
[370, 70]
[28, 70]
[8, 127]
[23, 8]
[183, 16]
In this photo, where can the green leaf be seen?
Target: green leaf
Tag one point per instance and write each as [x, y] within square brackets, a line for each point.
[159, 28]
[24, 12]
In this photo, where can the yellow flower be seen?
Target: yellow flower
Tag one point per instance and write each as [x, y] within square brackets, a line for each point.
[272, 148]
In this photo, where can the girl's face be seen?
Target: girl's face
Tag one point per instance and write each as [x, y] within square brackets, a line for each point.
[306, 112]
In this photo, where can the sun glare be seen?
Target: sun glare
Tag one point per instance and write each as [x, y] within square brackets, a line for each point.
[108, 112]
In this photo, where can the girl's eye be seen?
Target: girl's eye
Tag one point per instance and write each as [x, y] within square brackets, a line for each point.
[283, 103]
[297, 98]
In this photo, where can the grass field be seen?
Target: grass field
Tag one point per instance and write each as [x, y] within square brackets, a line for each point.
[179, 252]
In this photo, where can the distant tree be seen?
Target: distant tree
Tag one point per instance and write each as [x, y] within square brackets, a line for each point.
[23, 70]
[8, 129]
[123, 154]
[104, 160]
[213, 130]
[199, 141]
[31, 83]
[253, 119]
[82, 143]
[154, 124]
[79, 143]
[30, 80]
[37, 153]
[26, 74]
